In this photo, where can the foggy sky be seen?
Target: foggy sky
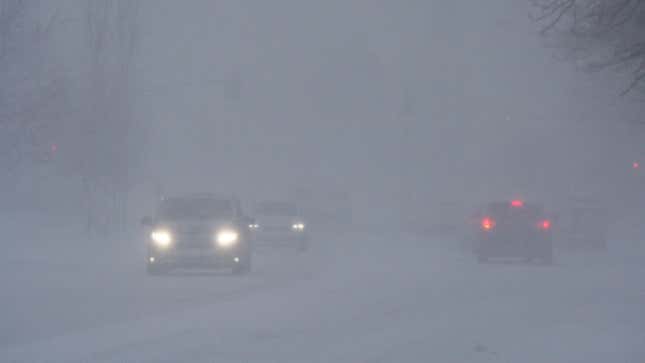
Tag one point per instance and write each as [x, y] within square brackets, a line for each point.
[394, 101]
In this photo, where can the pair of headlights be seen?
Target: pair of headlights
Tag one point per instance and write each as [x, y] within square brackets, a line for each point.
[295, 226]
[224, 238]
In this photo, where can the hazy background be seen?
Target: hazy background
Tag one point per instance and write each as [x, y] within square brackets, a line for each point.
[387, 121]
[404, 106]
[397, 102]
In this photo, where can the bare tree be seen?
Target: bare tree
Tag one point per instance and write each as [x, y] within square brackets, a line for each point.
[599, 33]
[111, 38]
[31, 94]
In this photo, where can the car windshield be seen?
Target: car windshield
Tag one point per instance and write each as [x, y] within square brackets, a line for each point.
[277, 209]
[197, 208]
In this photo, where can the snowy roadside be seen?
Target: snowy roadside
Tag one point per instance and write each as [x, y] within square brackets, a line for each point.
[361, 296]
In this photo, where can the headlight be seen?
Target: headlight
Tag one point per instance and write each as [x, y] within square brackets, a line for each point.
[161, 238]
[254, 226]
[298, 227]
[226, 238]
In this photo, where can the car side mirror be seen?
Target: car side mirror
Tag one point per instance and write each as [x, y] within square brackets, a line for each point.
[147, 221]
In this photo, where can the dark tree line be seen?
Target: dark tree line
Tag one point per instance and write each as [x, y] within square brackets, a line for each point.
[31, 89]
[79, 106]
[104, 148]
[599, 34]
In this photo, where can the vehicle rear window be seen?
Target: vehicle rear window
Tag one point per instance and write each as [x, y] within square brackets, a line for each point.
[505, 210]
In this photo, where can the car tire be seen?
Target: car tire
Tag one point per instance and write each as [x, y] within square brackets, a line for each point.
[243, 267]
[548, 259]
[303, 245]
[156, 269]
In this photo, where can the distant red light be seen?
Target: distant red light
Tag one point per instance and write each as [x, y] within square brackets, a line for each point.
[517, 203]
[635, 165]
[545, 224]
[54, 148]
[488, 223]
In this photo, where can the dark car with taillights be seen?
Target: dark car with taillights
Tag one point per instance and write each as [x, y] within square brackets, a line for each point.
[198, 231]
[513, 229]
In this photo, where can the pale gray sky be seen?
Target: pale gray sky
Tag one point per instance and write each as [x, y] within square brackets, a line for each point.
[378, 96]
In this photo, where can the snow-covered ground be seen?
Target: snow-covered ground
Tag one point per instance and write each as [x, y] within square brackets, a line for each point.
[355, 297]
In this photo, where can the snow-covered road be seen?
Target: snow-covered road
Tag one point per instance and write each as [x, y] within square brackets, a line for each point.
[358, 297]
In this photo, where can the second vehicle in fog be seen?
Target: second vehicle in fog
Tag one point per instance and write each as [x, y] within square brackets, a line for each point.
[280, 224]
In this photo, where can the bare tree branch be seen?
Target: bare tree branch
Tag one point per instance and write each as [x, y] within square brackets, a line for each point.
[610, 32]
[112, 36]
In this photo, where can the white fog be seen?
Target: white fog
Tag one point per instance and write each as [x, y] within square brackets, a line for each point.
[322, 181]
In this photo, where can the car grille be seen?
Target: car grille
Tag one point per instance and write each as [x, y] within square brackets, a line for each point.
[277, 229]
[193, 236]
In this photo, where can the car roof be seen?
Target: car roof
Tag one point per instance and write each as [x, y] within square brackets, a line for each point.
[508, 204]
[504, 206]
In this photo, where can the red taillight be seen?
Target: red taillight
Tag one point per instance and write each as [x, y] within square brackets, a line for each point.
[517, 203]
[488, 224]
[545, 224]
